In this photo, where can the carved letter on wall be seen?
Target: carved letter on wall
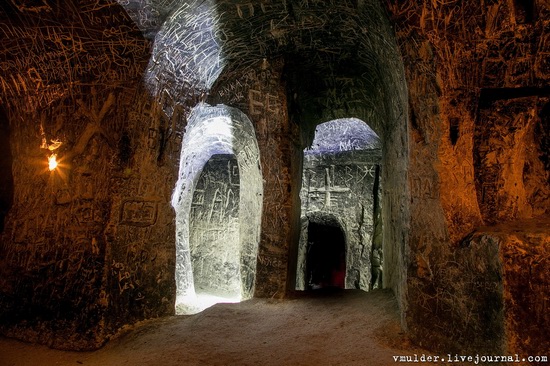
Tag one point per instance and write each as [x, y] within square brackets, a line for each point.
[138, 213]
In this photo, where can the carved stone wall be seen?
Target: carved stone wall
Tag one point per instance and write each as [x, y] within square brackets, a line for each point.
[456, 90]
[214, 228]
[88, 246]
[511, 180]
[81, 241]
[213, 131]
[6, 158]
[476, 74]
[116, 87]
[341, 186]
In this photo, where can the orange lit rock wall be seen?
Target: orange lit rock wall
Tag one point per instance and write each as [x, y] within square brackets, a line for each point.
[524, 251]
[90, 247]
[87, 247]
[477, 76]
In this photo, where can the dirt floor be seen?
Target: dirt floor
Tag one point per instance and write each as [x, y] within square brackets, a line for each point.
[325, 328]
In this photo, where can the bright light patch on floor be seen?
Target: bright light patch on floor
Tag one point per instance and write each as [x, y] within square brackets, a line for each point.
[193, 304]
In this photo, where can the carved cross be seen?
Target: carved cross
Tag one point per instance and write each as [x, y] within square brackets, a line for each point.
[329, 188]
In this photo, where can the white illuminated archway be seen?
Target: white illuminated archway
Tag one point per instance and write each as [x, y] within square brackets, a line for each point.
[217, 130]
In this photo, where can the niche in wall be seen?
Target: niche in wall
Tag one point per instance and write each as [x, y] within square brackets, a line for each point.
[214, 228]
[511, 174]
[524, 11]
[218, 204]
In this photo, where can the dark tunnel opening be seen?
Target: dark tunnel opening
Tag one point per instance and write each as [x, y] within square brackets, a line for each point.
[326, 257]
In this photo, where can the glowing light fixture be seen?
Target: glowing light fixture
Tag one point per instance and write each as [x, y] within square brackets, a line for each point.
[52, 162]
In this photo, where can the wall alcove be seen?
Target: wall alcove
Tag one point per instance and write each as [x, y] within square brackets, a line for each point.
[214, 229]
[217, 198]
[288, 80]
[286, 66]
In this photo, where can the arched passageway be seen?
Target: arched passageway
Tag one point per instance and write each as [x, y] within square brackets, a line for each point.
[326, 256]
[217, 200]
[313, 63]
[340, 188]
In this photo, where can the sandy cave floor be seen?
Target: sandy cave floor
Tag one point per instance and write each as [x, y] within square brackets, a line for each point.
[326, 328]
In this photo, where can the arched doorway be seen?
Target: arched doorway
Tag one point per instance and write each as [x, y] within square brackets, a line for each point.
[341, 191]
[326, 256]
[217, 200]
[346, 64]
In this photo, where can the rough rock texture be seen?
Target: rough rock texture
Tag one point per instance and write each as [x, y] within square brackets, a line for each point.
[88, 247]
[351, 206]
[499, 277]
[456, 90]
[214, 130]
[511, 180]
[338, 188]
[214, 228]
[6, 161]
[476, 75]
[524, 252]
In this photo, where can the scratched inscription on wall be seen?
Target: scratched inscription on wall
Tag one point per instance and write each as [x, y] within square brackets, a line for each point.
[49, 47]
[204, 38]
[336, 187]
[138, 213]
[502, 165]
[214, 227]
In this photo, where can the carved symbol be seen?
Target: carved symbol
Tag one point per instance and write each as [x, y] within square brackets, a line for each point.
[329, 187]
[138, 213]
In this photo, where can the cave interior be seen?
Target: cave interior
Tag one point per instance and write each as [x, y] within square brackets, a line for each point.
[159, 156]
